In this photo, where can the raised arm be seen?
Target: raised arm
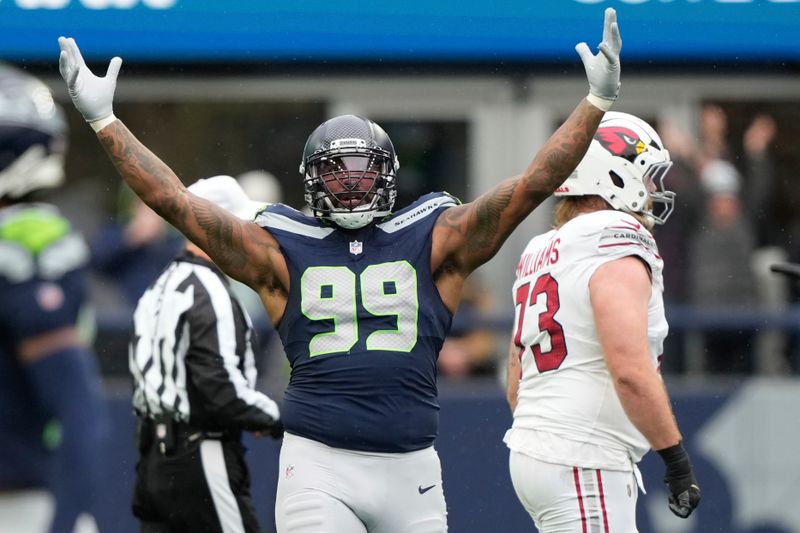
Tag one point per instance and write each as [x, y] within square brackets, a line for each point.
[467, 236]
[241, 249]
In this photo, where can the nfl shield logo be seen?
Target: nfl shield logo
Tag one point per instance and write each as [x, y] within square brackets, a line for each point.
[356, 247]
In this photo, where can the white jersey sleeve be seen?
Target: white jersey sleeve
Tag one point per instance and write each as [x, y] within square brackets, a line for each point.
[568, 411]
[624, 236]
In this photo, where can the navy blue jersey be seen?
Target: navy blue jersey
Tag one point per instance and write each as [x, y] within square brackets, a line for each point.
[43, 286]
[362, 329]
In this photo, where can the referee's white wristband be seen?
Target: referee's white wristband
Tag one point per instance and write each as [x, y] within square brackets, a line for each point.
[98, 125]
[600, 103]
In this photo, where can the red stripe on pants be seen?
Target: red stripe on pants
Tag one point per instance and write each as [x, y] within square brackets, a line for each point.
[580, 496]
[602, 500]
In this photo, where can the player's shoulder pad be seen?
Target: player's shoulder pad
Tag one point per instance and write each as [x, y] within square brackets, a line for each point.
[418, 211]
[286, 219]
[622, 235]
[35, 239]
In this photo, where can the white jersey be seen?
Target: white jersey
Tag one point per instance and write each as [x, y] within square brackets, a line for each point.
[568, 411]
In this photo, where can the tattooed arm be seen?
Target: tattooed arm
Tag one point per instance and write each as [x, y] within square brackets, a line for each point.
[469, 235]
[241, 249]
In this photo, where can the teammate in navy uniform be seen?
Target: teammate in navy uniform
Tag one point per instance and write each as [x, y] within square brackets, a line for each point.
[51, 414]
[361, 297]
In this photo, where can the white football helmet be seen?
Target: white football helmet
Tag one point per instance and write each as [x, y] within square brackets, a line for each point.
[33, 135]
[625, 165]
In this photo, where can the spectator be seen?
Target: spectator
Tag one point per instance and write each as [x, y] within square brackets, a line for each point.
[759, 187]
[713, 134]
[135, 247]
[673, 240]
[721, 276]
[470, 349]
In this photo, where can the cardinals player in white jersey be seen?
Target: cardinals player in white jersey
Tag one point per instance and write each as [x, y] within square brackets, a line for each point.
[583, 372]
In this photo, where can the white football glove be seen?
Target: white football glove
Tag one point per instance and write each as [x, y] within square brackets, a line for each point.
[92, 96]
[602, 70]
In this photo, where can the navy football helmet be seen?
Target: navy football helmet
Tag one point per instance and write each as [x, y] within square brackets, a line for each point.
[349, 171]
[33, 135]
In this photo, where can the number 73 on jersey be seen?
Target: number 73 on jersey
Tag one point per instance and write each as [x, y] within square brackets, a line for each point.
[537, 303]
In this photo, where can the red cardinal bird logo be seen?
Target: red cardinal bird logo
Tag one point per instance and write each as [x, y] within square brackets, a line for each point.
[621, 142]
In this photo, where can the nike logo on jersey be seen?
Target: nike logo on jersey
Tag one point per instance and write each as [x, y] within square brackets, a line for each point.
[423, 490]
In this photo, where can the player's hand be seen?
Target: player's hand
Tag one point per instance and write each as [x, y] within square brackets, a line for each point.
[683, 488]
[275, 430]
[602, 70]
[92, 96]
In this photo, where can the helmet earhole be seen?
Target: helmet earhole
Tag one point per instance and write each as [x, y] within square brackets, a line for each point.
[616, 180]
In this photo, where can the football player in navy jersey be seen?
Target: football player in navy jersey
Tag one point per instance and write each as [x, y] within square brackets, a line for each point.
[361, 296]
[52, 419]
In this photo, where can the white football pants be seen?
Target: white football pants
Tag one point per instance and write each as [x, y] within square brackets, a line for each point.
[570, 499]
[30, 511]
[332, 490]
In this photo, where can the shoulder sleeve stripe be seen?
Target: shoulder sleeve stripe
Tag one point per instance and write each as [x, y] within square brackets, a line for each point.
[628, 225]
[280, 222]
[624, 228]
[624, 237]
[420, 212]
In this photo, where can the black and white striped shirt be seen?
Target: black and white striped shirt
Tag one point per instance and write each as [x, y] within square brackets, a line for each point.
[191, 353]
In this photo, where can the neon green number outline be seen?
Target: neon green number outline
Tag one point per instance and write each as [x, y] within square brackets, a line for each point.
[403, 304]
[342, 300]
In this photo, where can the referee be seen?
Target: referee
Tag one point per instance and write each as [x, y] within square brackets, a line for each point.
[191, 357]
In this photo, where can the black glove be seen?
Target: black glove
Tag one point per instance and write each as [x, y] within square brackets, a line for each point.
[684, 491]
[275, 430]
